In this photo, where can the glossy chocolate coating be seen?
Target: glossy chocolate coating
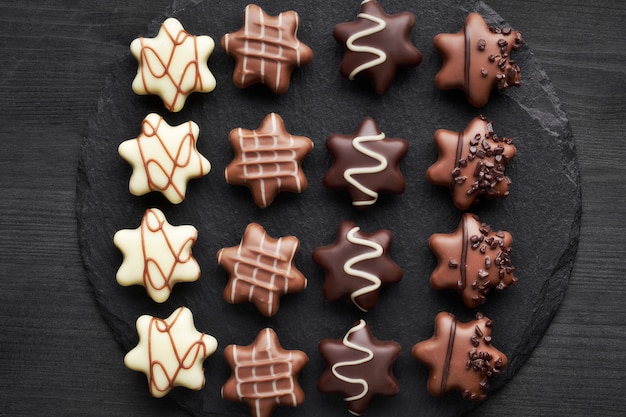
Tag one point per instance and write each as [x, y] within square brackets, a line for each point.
[472, 260]
[366, 164]
[261, 269]
[359, 367]
[264, 375]
[376, 45]
[266, 49]
[357, 264]
[472, 163]
[460, 356]
[268, 160]
[477, 58]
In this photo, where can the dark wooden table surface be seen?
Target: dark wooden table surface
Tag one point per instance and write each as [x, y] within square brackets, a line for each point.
[57, 355]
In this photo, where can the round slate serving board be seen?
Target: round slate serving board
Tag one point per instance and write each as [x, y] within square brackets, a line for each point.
[542, 212]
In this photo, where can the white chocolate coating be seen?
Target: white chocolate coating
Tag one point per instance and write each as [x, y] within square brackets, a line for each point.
[157, 255]
[170, 352]
[173, 64]
[164, 158]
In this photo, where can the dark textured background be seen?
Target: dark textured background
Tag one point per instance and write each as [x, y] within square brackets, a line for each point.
[57, 354]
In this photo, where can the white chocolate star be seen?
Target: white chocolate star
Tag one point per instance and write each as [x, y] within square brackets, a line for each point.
[164, 158]
[170, 352]
[157, 255]
[173, 64]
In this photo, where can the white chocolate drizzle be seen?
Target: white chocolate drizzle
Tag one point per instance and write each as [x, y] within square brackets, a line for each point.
[380, 54]
[348, 174]
[348, 266]
[370, 355]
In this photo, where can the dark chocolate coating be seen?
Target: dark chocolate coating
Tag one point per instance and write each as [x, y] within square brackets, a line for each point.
[472, 260]
[371, 174]
[359, 367]
[376, 45]
[356, 265]
[477, 58]
[460, 356]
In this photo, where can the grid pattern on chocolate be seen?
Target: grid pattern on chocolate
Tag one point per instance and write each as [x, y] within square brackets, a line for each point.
[268, 47]
[261, 269]
[264, 374]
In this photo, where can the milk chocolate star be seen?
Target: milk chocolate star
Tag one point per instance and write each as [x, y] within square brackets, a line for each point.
[376, 45]
[268, 160]
[170, 352]
[357, 264]
[472, 260]
[359, 367]
[261, 269]
[173, 64]
[266, 49]
[477, 58]
[366, 163]
[264, 375]
[472, 162]
[460, 356]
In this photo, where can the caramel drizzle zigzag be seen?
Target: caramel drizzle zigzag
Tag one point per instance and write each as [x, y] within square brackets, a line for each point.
[374, 281]
[280, 369]
[185, 361]
[369, 356]
[178, 160]
[381, 56]
[148, 278]
[358, 144]
[163, 71]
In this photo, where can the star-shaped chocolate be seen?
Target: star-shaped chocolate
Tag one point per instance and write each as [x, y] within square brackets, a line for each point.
[264, 375]
[472, 163]
[157, 255]
[460, 356]
[261, 269]
[477, 58]
[164, 158]
[472, 260]
[268, 160]
[359, 367]
[366, 163]
[376, 45]
[173, 64]
[357, 264]
[170, 352]
[266, 49]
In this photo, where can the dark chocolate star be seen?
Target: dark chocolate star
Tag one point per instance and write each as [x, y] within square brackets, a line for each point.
[472, 260]
[357, 264]
[460, 356]
[376, 45]
[366, 163]
[359, 367]
[472, 163]
[476, 59]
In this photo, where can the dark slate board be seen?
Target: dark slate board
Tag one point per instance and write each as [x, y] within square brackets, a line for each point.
[542, 213]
